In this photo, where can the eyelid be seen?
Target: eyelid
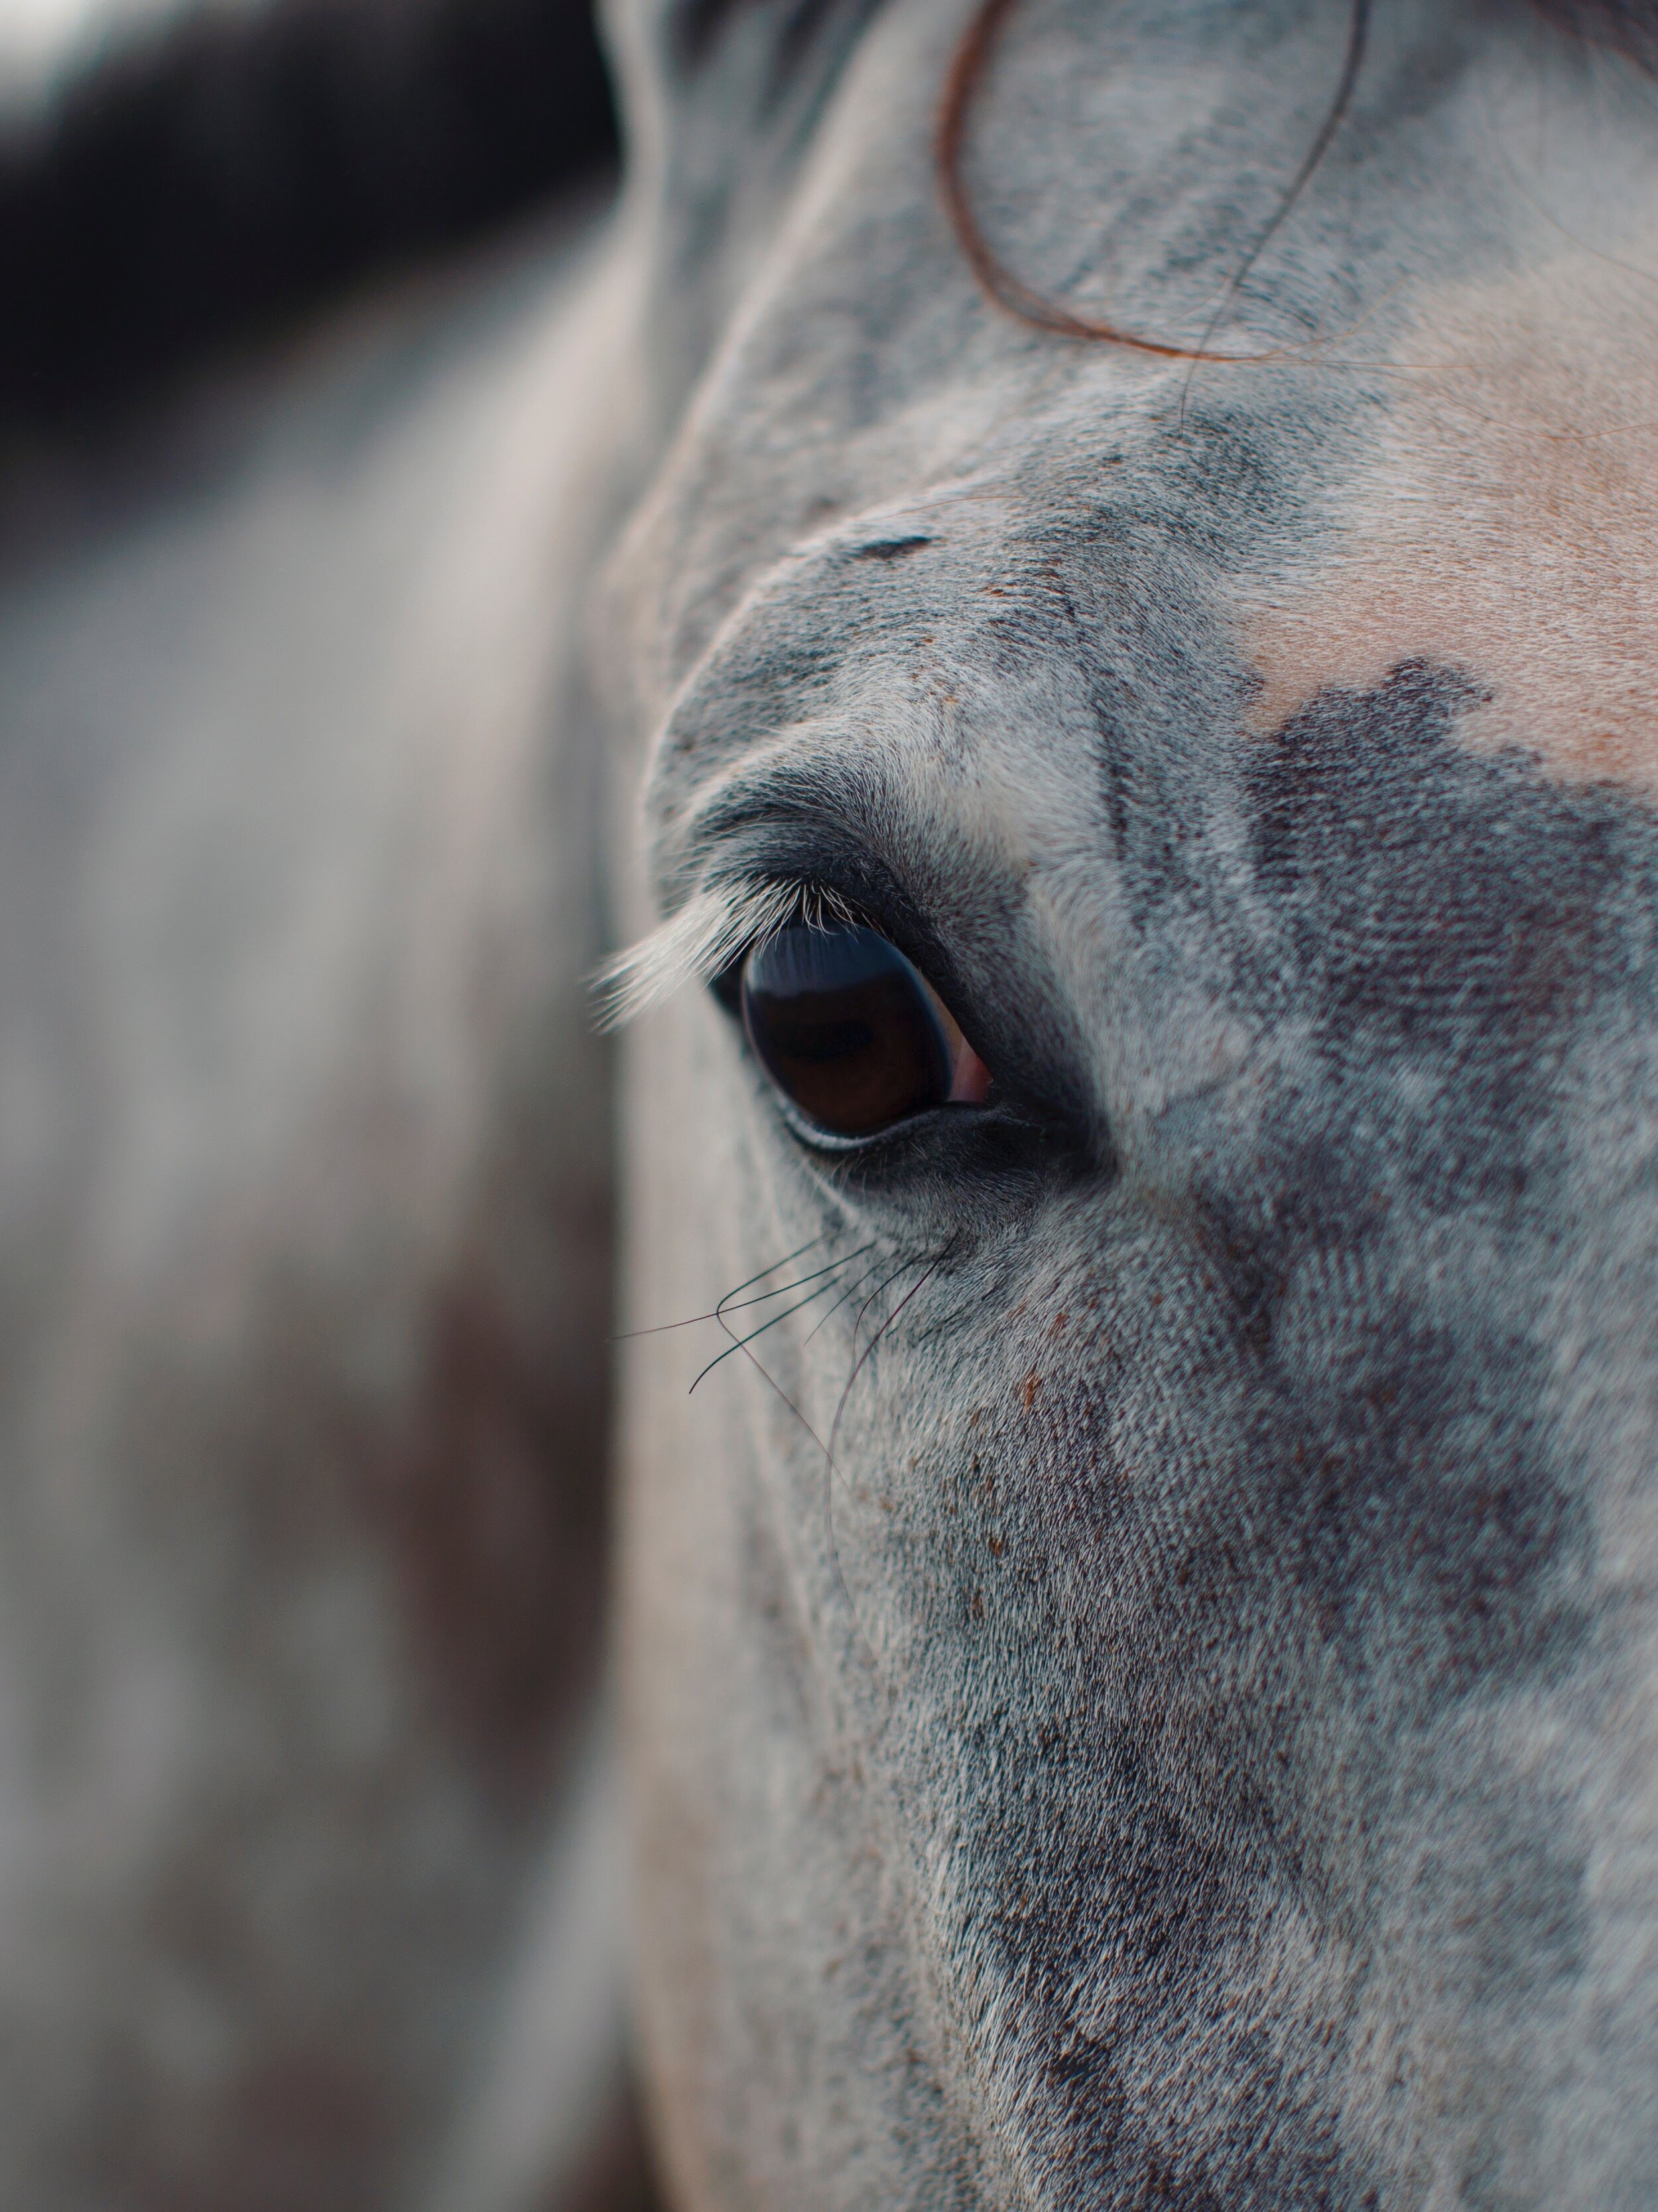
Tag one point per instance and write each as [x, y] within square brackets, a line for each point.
[779, 904]
[706, 940]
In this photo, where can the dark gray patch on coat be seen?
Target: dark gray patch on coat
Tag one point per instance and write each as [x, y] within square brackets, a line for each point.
[1260, 1489]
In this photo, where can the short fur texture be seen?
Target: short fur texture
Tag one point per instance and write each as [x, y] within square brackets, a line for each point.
[1139, 1686]
[1152, 1705]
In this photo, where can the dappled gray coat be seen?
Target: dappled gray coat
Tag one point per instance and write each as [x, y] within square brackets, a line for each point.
[1137, 1688]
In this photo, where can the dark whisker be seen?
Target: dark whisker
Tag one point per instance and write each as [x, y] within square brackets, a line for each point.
[788, 1256]
[770, 1380]
[930, 1269]
[880, 1289]
[850, 1292]
[743, 1341]
[662, 1329]
[830, 1471]
[886, 1280]
[743, 1344]
[783, 1289]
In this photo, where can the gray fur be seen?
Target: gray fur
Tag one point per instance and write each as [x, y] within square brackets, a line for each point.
[1137, 1687]
[1189, 1746]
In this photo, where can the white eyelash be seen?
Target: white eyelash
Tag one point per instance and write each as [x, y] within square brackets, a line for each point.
[702, 940]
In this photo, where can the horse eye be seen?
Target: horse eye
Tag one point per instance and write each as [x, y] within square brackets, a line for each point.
[852, 1034]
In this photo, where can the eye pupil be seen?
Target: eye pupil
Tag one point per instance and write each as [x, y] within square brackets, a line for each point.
[848, 1029]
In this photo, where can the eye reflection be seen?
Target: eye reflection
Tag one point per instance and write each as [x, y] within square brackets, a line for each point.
[851, 1033]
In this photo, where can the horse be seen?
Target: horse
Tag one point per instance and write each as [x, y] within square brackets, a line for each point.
[1057, 601]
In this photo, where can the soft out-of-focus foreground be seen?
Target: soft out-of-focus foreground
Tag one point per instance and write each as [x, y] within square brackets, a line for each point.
[309, 1888]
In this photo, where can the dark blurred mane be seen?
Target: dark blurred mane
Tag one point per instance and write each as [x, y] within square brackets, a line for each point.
[1631, 26]
[210, 181]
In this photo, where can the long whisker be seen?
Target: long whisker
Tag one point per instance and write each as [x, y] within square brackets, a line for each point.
[850, 1292]
[662, 1329]
[798, 1252]
[829, 1267]
[859, 1365]
[720, 1304]
[769, 1378]
[743, 1344]
[879, 1288]
[742, 1341]
[830, 1471]
[879, 1291]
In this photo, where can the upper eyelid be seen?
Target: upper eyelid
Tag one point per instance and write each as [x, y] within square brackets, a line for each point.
[745, 859]
[784, 811]
[712, 930]
[725, 919]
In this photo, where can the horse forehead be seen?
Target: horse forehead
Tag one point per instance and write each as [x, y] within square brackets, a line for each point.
[856, 362]
[1505, 522]
[1466, 477]
[1498, 517]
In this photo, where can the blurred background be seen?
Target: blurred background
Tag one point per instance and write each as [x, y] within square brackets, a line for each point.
[43, 41]
[310, 1890]
[179, 175]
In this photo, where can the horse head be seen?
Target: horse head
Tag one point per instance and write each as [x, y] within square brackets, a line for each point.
[1139, 1659]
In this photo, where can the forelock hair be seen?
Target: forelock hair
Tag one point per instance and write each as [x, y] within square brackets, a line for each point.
[1630, 27]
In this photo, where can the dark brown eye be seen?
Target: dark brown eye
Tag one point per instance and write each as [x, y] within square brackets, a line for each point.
[851, 1033]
